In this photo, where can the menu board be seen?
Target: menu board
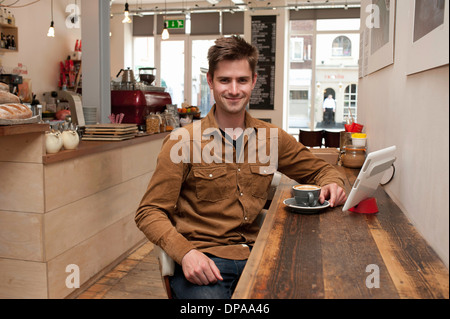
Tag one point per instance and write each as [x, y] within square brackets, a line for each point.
[264, 38]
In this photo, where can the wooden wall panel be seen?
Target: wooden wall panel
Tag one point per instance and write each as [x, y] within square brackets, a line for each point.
[21, 236]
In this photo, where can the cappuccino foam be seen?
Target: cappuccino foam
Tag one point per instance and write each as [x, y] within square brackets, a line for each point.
[307, 187]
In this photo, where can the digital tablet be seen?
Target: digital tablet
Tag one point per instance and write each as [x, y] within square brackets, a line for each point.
[370, 175]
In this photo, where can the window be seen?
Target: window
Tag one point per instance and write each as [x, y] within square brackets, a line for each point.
[342, 46]
[298, 95]
[350, 101]
[143, 53]
[297, 51]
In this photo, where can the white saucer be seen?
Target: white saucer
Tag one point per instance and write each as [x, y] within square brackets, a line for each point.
[290, 202]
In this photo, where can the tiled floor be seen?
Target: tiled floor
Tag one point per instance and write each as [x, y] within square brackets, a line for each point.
[136, 277]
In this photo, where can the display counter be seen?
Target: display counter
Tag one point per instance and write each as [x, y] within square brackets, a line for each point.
[69, 213]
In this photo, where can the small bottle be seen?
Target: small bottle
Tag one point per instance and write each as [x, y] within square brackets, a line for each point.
[2, 41]
[13, 20]
[9, 17]
[2, 19]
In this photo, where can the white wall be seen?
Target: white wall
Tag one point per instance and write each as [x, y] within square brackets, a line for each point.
[412, 112]
[40, 54]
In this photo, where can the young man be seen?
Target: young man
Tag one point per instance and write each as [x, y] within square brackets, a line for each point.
[212, 178]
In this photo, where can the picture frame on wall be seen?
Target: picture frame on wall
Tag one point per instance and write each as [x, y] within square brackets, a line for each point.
[381, 41]
[428, 46]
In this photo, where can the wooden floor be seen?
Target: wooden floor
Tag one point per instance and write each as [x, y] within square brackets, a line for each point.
[136, 277]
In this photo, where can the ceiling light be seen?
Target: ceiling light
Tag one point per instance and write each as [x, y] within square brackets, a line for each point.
[126, 13]
[51, 30]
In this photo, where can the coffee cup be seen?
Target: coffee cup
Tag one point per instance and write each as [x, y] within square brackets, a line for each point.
[306, 195]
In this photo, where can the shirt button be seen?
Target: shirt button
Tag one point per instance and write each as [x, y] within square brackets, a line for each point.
[242, 194]
[239, 169]
[210, 175]
[245, 218]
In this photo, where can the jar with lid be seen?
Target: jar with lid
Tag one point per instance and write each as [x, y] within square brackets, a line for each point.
[153, 123]
[353, 156]
[162, 122]
[171, 123]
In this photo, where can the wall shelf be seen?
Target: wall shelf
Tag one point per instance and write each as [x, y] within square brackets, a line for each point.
[11, 31]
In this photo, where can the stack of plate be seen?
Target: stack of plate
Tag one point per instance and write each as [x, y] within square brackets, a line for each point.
[109, 132]
[90, 115]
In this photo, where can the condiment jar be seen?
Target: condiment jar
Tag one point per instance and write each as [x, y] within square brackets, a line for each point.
[53, 142]
[170, 121]
[70, 139]
[353, 156]
[162, 122]
[153, 123]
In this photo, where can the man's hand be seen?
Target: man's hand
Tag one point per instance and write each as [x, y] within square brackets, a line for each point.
[335, 195]
[199, 269]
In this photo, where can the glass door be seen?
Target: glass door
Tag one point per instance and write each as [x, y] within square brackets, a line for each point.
[323, 73]
[336, 72]
[200, 92]
[300, 91]
[173, 69]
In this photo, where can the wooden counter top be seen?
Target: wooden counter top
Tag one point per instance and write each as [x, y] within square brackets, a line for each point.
[23, 129]
[91, 147]
[337, 255]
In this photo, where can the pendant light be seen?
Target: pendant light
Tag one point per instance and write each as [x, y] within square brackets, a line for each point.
[165, 34]
[51, 30]
[126, 13]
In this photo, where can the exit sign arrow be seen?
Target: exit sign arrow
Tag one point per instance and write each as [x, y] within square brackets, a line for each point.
[175, 24]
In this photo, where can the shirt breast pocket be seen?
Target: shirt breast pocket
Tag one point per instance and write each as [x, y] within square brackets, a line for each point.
[212, 184]
[262, 177]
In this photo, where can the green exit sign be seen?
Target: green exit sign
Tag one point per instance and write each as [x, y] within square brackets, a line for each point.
[175, 24]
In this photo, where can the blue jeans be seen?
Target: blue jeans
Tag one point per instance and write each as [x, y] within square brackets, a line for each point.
[230, 270]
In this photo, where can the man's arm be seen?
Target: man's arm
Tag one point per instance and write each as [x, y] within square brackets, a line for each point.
[297, 162]
[159, 202]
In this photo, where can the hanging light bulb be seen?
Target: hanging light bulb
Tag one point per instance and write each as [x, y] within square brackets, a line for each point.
[51, 30]
[126, 13]
[165, 34]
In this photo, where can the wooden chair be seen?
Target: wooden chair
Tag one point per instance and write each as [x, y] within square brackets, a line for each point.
[311, 138]
[332, 139]
[167, 264]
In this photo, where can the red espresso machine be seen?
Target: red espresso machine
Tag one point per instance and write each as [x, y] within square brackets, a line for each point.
[136, 100]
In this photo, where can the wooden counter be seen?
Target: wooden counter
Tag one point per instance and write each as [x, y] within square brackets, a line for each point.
[91, 147]
[75, 207]
[6, 130]
[338, 255]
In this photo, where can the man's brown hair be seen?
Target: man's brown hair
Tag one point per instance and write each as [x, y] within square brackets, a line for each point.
[231, 48]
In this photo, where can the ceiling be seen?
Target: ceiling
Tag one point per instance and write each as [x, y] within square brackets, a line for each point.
[136, 6]
[292, 2]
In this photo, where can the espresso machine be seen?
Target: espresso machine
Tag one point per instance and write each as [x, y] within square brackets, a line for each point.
[136, 100]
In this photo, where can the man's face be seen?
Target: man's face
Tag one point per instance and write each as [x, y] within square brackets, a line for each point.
[232, 85]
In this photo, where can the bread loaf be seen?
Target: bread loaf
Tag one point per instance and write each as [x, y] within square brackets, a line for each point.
[4, 87]
[15, 111]
[6, 97]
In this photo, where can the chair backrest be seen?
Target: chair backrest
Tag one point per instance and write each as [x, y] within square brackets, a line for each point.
[332, 139]
[311, 138]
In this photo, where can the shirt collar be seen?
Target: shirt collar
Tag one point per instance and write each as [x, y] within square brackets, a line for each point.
[210, 120]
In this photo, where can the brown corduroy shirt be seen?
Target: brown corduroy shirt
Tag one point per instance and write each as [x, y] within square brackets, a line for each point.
[201, 196]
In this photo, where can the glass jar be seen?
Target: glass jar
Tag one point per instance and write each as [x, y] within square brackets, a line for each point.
[162, 122]
[171, 124]
[153, 123]
[353, 156]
